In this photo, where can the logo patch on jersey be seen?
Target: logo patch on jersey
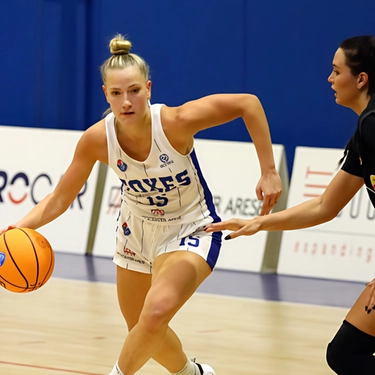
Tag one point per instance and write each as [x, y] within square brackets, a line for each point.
[121, 165]
[126, 229]
[164, 158]
[129, 252]
[158, 212]
[372, 179]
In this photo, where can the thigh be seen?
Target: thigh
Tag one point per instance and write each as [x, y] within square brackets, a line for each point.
[132, 288]
[358, 316]
[176, 276]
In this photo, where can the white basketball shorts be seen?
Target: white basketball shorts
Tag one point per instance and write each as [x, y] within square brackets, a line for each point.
[139, 242]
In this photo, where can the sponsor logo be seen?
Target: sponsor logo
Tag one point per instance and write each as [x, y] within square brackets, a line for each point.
[153, 218]
[20, 187]
[244, 206]
[158, 212]
[125, 256]
[121, 165]
[125, 229]
[336, 249]
[129, 252]
[164, 158]
[175, 218]
[161, 219]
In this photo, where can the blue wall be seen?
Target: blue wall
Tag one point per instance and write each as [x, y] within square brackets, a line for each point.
[280, 50]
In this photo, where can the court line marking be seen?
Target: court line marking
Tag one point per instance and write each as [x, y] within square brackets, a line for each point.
[47, 368]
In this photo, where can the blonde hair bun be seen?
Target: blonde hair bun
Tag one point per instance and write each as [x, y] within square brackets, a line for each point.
[119, 45]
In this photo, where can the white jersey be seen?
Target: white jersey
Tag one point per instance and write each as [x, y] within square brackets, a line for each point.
[168, 187]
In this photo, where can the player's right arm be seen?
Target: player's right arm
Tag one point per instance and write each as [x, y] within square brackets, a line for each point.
[90, 148]
[316, 211]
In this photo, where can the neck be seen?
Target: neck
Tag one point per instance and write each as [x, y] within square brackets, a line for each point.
[361, 104]
[135, 131]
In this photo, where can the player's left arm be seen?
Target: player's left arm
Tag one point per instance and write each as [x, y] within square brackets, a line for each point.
[214, 110]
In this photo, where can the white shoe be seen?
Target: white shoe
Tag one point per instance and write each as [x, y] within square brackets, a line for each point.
[206, 369]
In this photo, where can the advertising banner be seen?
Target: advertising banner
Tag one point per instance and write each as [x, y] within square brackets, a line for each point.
[32, 161]
[342, 248]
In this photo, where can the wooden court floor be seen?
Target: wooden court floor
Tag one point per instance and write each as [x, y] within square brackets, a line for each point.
[75, 327]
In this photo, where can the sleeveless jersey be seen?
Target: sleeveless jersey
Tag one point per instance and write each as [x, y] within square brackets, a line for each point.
[168, 187]
[361, 150]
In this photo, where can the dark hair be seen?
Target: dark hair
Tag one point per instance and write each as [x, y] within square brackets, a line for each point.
[360, 57]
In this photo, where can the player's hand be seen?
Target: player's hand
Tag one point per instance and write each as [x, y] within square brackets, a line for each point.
[371, 297]
[5, 229]
[239, 227]
[268, 190]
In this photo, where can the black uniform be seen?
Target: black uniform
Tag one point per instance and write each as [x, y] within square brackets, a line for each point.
[360, 160]
[351, 350]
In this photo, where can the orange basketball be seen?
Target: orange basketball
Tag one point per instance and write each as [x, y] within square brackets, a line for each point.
[26, 260]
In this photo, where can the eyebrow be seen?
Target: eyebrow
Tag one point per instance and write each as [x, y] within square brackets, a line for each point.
[334, 65]
[116, 88]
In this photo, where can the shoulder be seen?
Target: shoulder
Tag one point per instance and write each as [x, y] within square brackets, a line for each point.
[368, 127]
[93, 141]
[95, 132]
[167, 114]
[369, 119]
[174, 119]
[368, 115]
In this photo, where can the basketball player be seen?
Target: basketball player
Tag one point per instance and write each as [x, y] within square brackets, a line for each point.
[163, 254]
[353, 81]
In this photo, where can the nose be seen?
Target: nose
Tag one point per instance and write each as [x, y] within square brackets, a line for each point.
[126, 102]
[330, 78]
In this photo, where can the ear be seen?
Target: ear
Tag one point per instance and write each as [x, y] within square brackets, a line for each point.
[105, 93]
[148, 85]
[362, 80]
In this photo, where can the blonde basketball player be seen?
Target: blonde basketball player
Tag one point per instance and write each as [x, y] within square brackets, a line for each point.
[163, 254]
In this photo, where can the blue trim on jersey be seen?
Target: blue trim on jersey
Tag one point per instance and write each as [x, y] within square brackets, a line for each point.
[215, 247]
[206, 191]
[214, 252]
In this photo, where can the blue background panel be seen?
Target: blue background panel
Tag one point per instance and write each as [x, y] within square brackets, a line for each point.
[281, 51]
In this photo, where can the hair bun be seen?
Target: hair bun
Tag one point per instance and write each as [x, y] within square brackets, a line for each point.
[119, 45]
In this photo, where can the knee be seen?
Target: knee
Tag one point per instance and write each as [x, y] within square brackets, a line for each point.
[156, 317]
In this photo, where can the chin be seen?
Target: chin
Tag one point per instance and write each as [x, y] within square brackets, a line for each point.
[337, 100]
[343, 104]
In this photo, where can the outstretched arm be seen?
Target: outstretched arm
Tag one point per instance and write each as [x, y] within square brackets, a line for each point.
[310, 213]
[218, 109]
